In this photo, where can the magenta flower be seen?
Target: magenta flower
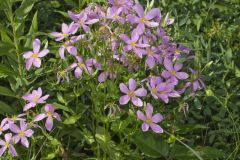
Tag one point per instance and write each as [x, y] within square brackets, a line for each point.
[197, 82]
[165, 90]
[66, 31]
[33, 57]
[22, 133]
[152, 57]
[153, 86]
[114, 14]
[7, 144]
[4, 125]
[82, 66]
[173, 71]
[142, 19]
[82, 20]
[132, 93]
[14, 118]
[69, 45]
[34, 98]
[105, 74]
[49, 114]
[133, 44]
[124, 5]
[150, 120]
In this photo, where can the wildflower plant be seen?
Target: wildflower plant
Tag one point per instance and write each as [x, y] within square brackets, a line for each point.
[121, 75]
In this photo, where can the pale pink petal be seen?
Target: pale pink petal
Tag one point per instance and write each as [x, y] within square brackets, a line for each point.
[157, 118]
[149, 110]
[29, 63]
[49, 123]
[28, 54]
[132, 84]
[123, 88]
[29, 105]
[141, 115]
[36, 45]
[43, 53]
[24, 142]
[124, 99]
[145, 127]
[40, 117]
[141, 92]
[37, 62]
[137, 101]
[156, 128]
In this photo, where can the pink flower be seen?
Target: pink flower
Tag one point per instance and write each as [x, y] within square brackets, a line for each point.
[132, 93]
[34, 98]
[33, 57]
[22, 133]
[82, 66]
[150, 120]
[14, 118]
[66, 31]
[7, 144]
[49, 114]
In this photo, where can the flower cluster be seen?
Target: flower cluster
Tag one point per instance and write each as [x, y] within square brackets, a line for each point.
[102, 40]
[19, 127]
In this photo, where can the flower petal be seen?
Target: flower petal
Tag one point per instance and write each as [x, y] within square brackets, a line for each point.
[137, 101]
[12, 150]
[14, 128]
[123, 88]
[157, 118]
[141, 115]
[29, 105]
[49, 123]
[141, 92]
[40, 117]
[43, 53]
[145, 127]
[37, 62]
[149, 110]
[124, 99]
[36, 45]
[182, 75]
[29, 63]
[24, 142]
[28, 54]
[28, 133]
[139, 9]
[156, 128]
[2, 150]
[132, 84]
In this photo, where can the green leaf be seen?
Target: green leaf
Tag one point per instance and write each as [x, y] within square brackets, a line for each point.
[6, 71]
[5, 48]
[5, 108]
[32, 31]
[151, 144]
[6, 92]
[71, 120]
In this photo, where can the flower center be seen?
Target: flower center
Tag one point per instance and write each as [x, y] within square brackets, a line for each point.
[162, 92]
[6, 144]
[148, 120]
[21, 134]
[173, 72]
[35, 55]
[49, 114]
[115, 16]
[178, 51]
[154, 90]
[35, 99]
[81, 64]
[133, 44]
[64, 34]
[149, 52]
[117, 3]
[80, 22]
[142, 20]
[131, 93]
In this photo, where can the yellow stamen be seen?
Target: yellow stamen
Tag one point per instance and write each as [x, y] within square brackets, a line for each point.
[131, 93]
[148, 120]
[142, 20]
[49, 114]
[162, 92]
[149, 52]
[35, 55]
[21, 134]
[6, 144]
[80, 22]
[81, 64]
[154, 90]
[173, 72]
[133, 44]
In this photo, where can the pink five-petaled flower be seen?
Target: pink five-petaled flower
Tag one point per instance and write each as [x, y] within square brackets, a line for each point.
[33, 57]
[173, 71]
[114, 14]
[142, 19]
[34, 98]
[49, 114]
[132, 93]
[7, 144]
[82, 20]
[66, 31]
[81, 65]
[150, 120]
[22, 133]
[133, 44]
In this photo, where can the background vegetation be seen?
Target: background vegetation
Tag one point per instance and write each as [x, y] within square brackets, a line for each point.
[210, 129]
